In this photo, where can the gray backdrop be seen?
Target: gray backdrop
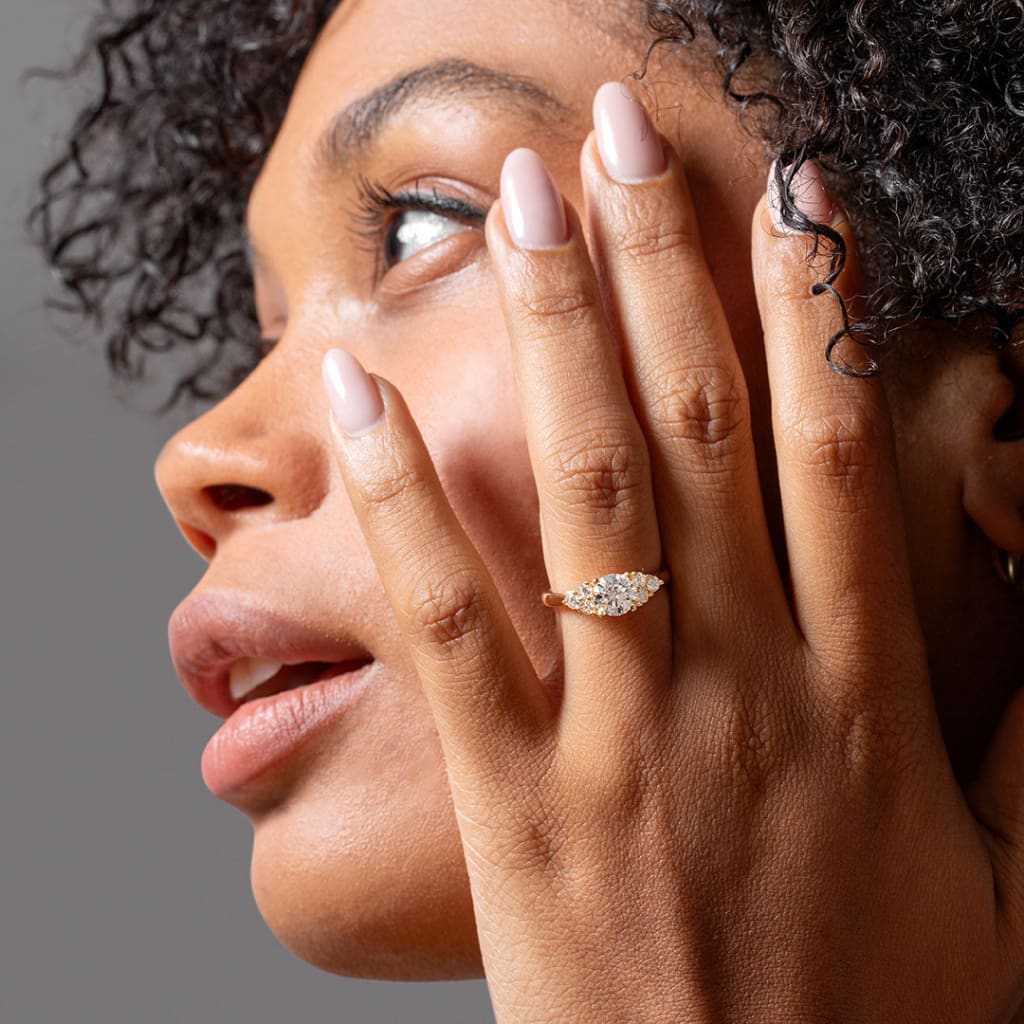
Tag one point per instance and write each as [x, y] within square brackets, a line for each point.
[125, 885]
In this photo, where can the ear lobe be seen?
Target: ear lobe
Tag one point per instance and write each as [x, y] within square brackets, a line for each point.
[994, 475]
[1011, 425]
[996, 502]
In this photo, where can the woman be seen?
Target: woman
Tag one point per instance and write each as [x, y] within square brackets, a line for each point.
[786, 787]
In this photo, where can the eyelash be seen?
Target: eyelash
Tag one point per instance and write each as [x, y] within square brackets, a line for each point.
[376, 207]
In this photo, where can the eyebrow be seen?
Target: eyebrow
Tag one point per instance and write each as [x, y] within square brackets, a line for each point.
[357, 126]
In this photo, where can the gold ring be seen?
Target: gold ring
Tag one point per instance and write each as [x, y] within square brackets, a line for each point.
[617, 593]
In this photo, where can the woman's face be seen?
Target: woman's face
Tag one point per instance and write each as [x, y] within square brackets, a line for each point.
[357, 864]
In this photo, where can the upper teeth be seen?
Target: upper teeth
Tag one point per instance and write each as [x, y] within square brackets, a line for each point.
[248, 673]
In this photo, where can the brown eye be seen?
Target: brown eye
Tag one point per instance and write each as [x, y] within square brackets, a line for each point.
[411, 231]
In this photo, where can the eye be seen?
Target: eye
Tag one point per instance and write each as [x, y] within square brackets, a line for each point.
[411, 231]
[394, 227]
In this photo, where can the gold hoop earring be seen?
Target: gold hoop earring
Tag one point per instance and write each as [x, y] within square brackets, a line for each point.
[1010, 568]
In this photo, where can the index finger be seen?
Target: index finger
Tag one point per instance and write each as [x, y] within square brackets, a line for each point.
[492, 714]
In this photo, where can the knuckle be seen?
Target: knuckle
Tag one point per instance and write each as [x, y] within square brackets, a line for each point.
[381, 493]
[746, 749]
[705, 412]
[448, 613]
[561, 311]
[741, 749]
[597, 484]
[876, 726]
[654, 242]
[839, 449]
[642, 791]
[875, 739]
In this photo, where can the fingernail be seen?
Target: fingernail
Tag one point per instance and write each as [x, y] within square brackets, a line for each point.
[355, 398]
[533, 206]
[631, 150]
[809, 195]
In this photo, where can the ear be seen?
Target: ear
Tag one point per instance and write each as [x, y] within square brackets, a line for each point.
[994, 471]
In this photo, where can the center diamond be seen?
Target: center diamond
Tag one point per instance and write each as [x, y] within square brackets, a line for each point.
[618, 593]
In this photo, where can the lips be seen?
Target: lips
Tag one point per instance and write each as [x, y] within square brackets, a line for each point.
[211, 632]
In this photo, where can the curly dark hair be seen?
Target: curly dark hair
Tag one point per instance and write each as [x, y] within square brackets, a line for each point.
[914, 109]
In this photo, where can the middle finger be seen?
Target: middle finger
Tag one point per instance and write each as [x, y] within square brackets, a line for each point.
[684, 371]
[586, 447]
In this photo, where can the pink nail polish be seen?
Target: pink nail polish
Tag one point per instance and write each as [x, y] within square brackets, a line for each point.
[533, 206]
[631, 150]
[808, 192]
[355, 398]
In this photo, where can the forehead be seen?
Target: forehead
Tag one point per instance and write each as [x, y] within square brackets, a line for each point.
[404, 26]
[568, 47]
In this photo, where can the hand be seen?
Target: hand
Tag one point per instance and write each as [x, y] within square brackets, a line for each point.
[742, 809]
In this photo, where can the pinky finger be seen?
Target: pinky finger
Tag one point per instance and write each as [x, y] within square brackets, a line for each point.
[836, 457]
[487, 702]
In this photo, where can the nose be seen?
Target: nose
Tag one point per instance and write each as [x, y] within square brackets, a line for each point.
[248, 461]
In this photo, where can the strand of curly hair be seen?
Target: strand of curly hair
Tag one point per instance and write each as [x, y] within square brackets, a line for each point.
[913, 109]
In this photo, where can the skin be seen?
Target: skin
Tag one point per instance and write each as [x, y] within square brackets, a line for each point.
[358, 863]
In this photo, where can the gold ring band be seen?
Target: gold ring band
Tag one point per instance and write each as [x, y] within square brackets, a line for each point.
[617, 593]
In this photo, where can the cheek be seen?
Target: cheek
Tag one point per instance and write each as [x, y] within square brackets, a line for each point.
[477, 440]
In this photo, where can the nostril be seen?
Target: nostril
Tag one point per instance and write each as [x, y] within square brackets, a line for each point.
[231, 497]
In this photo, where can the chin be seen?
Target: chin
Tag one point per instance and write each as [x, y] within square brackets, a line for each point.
[357, 907]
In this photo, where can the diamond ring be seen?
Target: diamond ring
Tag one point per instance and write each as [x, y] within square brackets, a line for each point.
[618, 593]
